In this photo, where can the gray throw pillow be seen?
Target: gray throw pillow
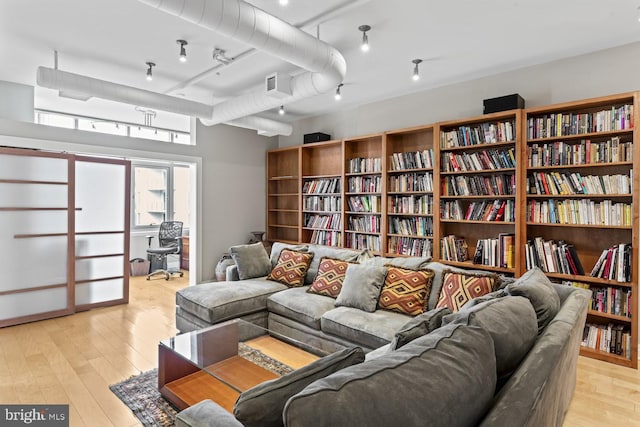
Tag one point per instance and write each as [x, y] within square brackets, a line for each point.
[500, 293]
[512, 323]
[262, 405]
[420, 325]
[538, 289]
[252, 260]
[361, 287]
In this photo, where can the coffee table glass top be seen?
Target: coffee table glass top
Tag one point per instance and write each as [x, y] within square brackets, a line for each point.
[241, 354]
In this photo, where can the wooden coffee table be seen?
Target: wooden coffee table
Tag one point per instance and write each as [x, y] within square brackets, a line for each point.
[207, 363]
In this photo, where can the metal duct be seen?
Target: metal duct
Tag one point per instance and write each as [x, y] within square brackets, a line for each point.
[265, 127]
[245, 23]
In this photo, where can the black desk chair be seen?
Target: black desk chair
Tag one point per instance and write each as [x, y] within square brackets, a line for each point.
[170, 239]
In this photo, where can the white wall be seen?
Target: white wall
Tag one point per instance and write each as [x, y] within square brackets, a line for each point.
[230, 179]
[602, 73]
[16, 101]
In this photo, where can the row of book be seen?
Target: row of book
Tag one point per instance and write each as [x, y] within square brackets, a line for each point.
[496, 252]
[364, 223]
[486, 210]
[556, 183]
[583, 152]
[552, 257]
[410, 205]
[614, 263]
[364, 165]
[363, 241]
[482, 133]
[364, 184]
[612, 300]
[326, 238]
[322, 203]
[451, 209]
[411, 160]
[611, 338]
[410, 246]
[411, 182]
[479, 185]
[478, 160]
[364, 203]
[324, 222]
[559, 124]
[579, 212]
[322, 186]
[454, 248]
[414, 226]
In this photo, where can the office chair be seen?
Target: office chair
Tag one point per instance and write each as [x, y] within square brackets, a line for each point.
[170, 239]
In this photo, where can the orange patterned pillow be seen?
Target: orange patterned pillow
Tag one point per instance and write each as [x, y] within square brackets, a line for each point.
[459, 288]
[405, 291]
[328, 280]
[291, 268]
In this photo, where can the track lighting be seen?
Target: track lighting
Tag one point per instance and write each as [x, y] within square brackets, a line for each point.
[183, 51]
[149, 70]
[284, 2]
[338, 95]
[281, 110]
[416, 71]
[365, 39]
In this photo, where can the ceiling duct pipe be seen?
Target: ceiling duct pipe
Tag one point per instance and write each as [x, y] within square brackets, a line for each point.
[236, 19]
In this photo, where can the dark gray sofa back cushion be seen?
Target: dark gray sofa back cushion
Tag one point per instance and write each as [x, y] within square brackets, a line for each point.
[536, 286]
[261, 406]
[252, 260]
[420, 325]
[446, 378]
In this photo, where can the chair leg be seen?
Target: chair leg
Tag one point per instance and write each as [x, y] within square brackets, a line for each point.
[165, 273]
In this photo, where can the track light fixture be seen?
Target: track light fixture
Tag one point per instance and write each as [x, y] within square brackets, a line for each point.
[365, 38]
[338, 95]
[150, 70]
[183, 51]
[416, 71]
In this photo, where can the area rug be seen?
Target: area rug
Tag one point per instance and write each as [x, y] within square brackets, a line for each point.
[140, 392]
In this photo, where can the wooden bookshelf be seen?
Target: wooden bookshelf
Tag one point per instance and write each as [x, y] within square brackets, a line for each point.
[283, 194]
[565, 139]
[479, 176]
[364, 223]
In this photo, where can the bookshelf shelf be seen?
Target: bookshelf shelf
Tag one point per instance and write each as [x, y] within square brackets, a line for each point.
[478, 172]
[479, 146]
[589, 279]
[284, 195]
[283, 178]
[320, 176]
[401, 171]
[501, 196]
[363, 193]
[293, 227]
[607, 357]
[471, 265]
[597, 226]
[363, 173]
[609, 316]
[603, 134]
[410, 214]
[283, 210]
[578, 196]
[412, 236]
[408, 193]
[468, 221]
[581, 166]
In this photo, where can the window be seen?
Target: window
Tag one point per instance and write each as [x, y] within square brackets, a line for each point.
[160, 193]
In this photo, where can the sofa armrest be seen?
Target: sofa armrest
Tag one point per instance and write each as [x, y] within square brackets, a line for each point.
[232, 273]
[206, 414]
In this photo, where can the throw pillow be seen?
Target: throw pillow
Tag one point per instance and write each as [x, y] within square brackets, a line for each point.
[361, 287]
[459, 288]
[252, 260]
[330, 276]
[405, 290]
[291, 268]
[420, 325]
[277, 247]
[262, 405]
[537, 288]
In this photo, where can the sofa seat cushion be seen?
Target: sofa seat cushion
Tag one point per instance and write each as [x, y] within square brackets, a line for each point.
[299, 305]
[371, 330]
[217, 301]
[446, 378]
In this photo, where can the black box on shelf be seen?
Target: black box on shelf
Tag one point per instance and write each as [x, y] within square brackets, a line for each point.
[503, 103]
[316, 137]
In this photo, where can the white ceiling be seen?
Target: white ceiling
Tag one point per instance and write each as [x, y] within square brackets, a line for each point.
[458, 40]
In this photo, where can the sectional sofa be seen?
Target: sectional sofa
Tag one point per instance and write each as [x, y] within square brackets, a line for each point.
[506, 358]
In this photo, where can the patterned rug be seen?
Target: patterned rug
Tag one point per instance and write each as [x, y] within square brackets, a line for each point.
[140, 392]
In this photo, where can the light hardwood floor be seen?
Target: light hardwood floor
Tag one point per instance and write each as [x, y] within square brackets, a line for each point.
[74, 359]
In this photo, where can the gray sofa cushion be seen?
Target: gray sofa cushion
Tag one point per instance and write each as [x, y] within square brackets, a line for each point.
[512, 323]
[535, 286]
[303, 307]
[436, 380]
[262, 405]
[217, 301]
[361, 287]
[252, 260]
[277, 247]
[327, 251]
[206, 414]
[420, 325]
[371, 330]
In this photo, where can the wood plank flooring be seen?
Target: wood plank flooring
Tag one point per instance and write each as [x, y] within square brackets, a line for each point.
[74, 359]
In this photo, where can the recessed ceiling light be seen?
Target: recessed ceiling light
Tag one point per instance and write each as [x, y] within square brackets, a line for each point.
[284, 2]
